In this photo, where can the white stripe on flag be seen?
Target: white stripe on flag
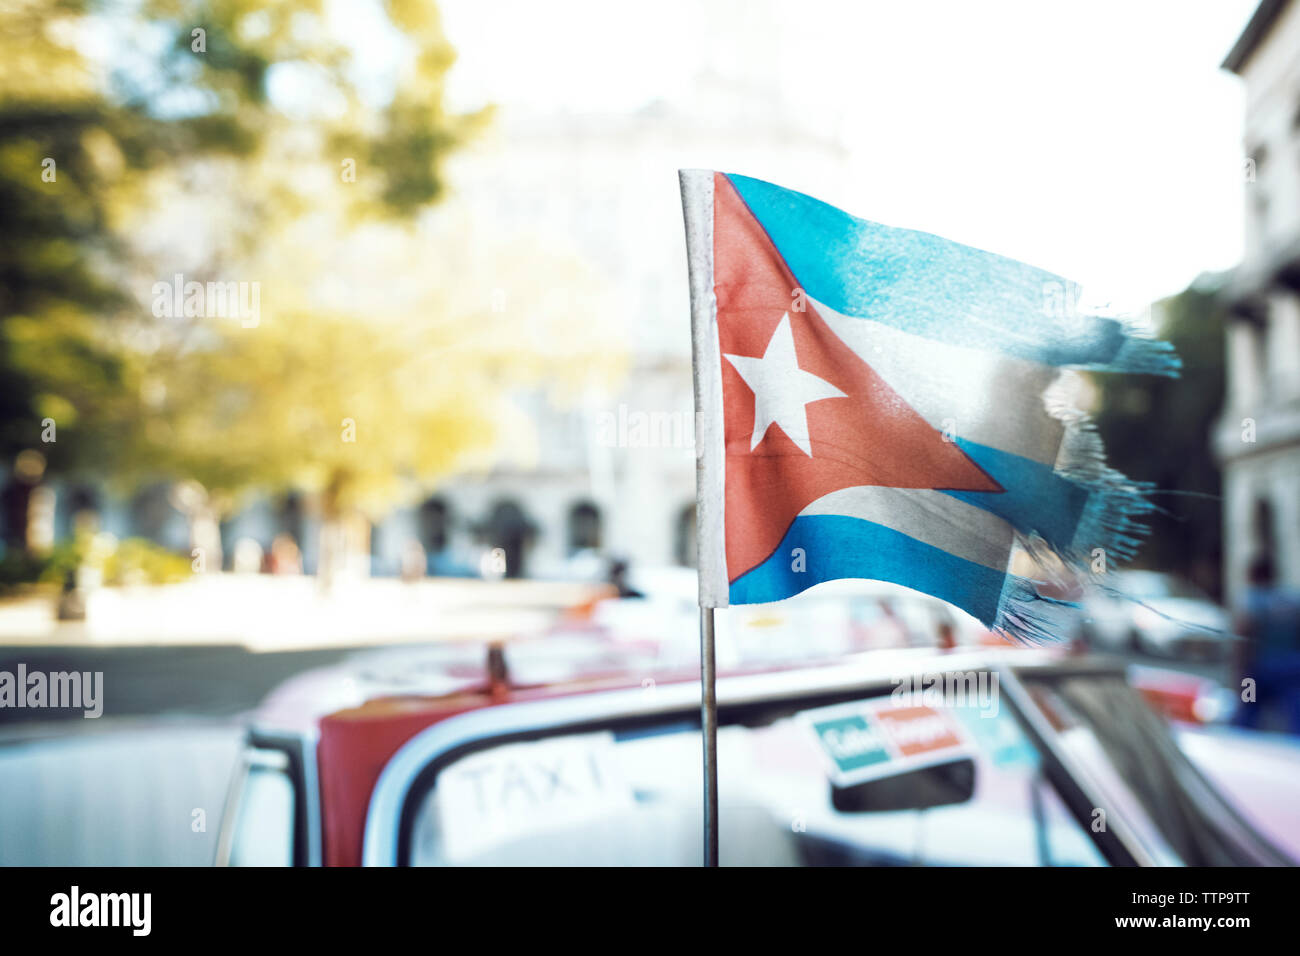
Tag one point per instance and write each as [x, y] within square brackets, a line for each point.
[984, 397]
[931, 517]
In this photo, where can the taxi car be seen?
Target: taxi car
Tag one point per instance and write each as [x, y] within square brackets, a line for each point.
[571, 748]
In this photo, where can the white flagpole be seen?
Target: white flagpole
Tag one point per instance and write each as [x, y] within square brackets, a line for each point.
[697, 208]
[709, 732]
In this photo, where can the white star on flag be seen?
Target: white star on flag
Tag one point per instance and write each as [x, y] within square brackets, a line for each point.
[782, 390]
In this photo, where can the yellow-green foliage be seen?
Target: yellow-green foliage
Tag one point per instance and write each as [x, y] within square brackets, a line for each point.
[371, 312]
[132, 561]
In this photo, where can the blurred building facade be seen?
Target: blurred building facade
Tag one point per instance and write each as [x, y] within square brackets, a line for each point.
[1258, 437]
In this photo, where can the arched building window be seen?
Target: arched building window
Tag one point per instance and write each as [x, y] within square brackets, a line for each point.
[1265, 528]
[290, 516]
[509, 529]
[150, 511]
[435, 525]
[584, 527]
[83, 511]
[685, 537]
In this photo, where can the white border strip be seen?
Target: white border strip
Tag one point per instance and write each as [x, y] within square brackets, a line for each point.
[697, 206]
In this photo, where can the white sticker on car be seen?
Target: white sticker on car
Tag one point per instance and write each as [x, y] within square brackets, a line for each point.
[518, 790]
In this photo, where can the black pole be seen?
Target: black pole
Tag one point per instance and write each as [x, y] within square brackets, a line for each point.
[709, 728]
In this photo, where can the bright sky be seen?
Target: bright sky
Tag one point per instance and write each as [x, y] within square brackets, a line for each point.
[1098, 140]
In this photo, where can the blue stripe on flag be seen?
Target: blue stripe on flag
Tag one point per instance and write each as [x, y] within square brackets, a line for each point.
[837, 546]
[1036, 501]
[935, 288]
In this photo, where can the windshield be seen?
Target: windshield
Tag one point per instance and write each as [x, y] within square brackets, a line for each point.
[944, 785]
[1126, 750]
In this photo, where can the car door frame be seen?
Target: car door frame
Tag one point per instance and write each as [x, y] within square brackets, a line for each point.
[299, 750]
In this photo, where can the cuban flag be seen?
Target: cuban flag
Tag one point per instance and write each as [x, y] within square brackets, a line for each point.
[875, 402]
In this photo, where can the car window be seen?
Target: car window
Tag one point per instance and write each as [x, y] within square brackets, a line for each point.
[616, 799]
[1141, 775]
[262, 832]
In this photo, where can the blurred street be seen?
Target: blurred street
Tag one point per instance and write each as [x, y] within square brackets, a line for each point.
[122, 793]
[122, 789]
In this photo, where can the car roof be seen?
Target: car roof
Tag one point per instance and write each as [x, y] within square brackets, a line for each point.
[565, 661]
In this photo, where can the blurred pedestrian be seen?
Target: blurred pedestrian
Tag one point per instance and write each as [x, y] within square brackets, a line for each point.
[248, 557]
[945, 631]
[1269, 654]
[415, 561]
[618, 577]
[286, 558]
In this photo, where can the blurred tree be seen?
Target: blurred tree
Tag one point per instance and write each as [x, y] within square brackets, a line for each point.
[68, 156]
[1158, 430]
[281, 116]
[258, 148]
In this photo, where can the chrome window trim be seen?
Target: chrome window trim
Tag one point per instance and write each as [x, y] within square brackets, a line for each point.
[1235, 826]
[250, 755]
[311, 780]
[380, 846]
[1043, 736]
[304, 743]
